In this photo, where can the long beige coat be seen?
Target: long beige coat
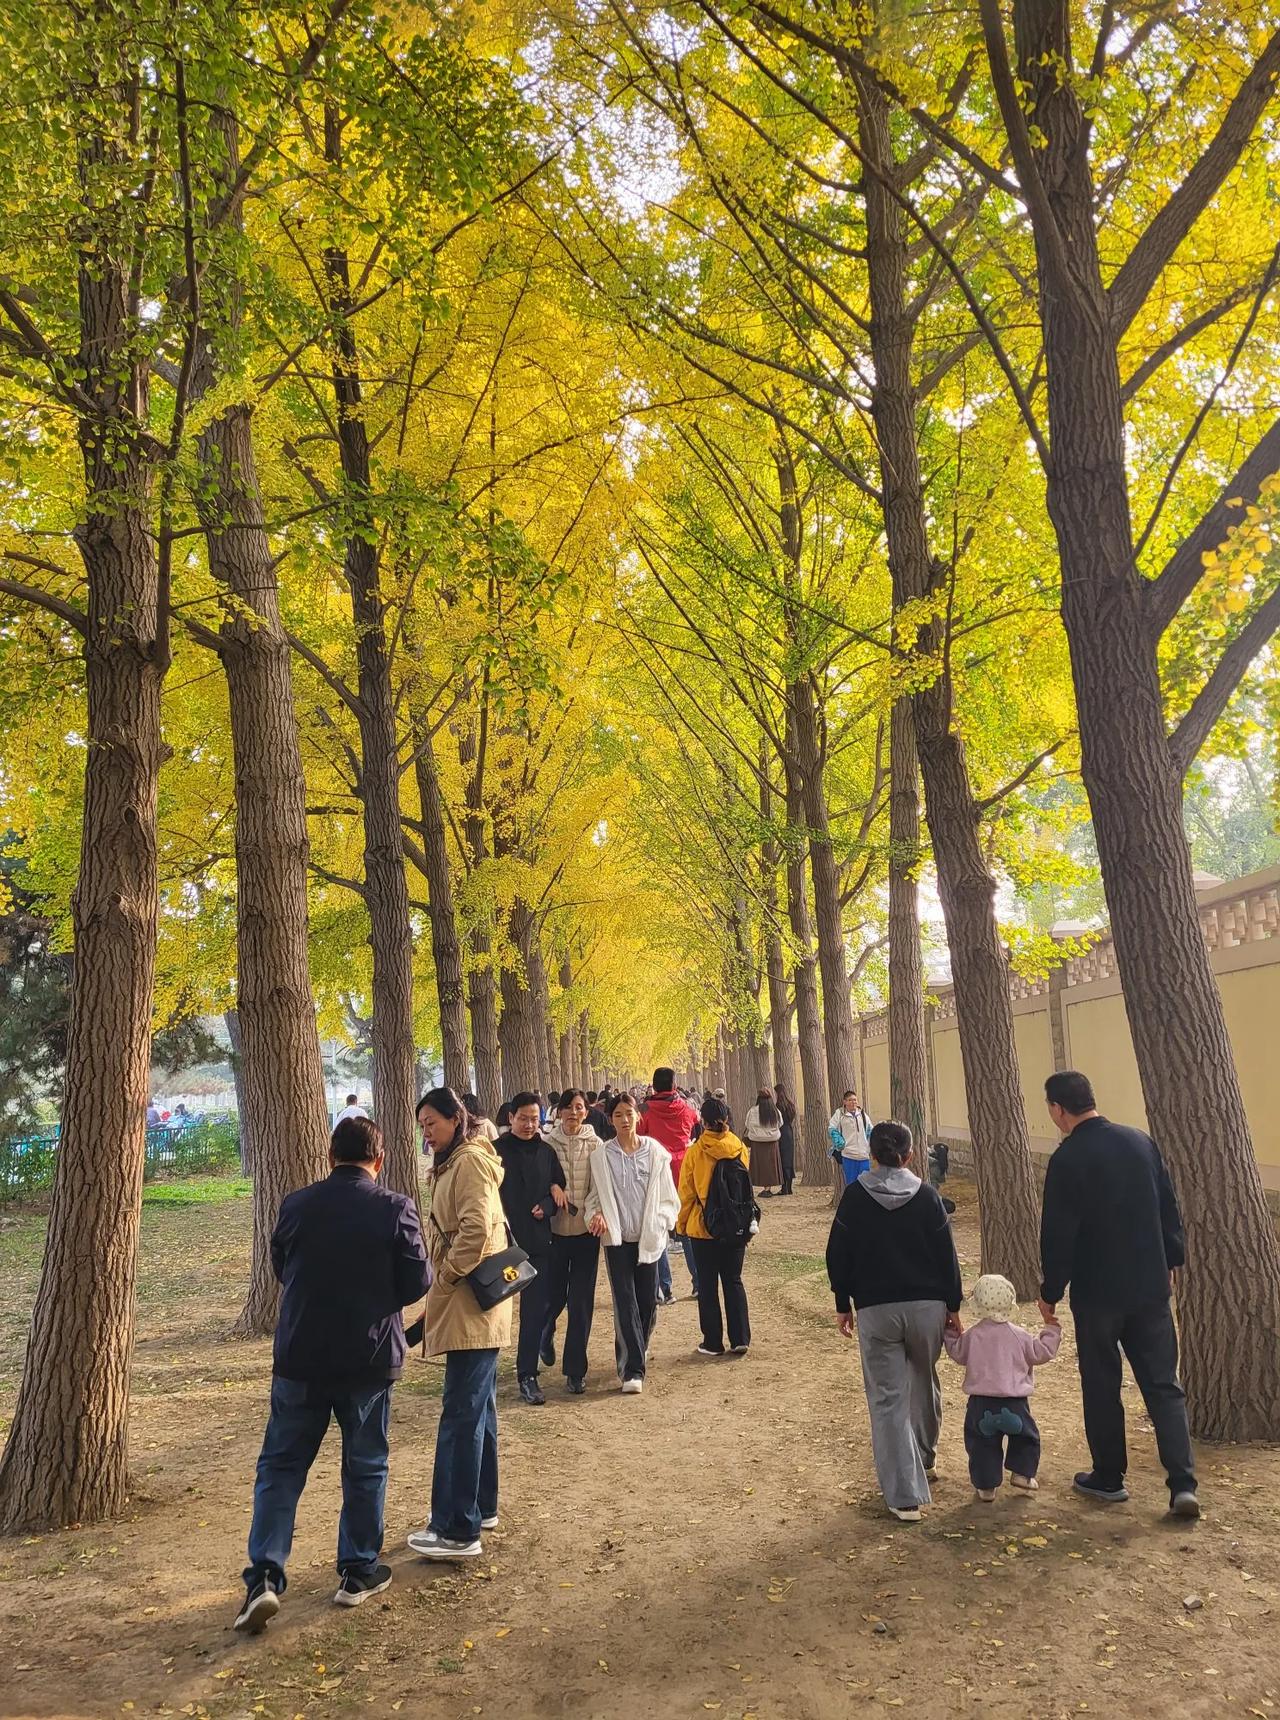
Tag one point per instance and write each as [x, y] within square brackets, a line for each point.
[466, 1226]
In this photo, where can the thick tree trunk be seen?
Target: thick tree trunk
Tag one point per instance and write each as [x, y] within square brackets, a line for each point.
[386, 888]
[518, 1029]
[232, 1021]
[548, 1052]
[774, 960]
[908, 1066]
[280, 1080]
[584, 1050]
[567, 1050]
[1229, 1297]
[815, 1162]
[1007, 1192]
[65, 1460]
[482, 1006]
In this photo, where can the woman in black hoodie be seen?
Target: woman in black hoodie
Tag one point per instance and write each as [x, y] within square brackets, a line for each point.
[891, 1255]
[532, 1189]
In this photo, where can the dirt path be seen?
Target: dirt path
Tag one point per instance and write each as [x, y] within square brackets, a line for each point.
[713, 1547]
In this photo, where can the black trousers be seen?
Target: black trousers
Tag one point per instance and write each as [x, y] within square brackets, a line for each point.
[635, 1306]
[575, 1260]
[534, 1303]
[988, 1422]
[1150, 1343]
[787, 1154]
[720, 1268]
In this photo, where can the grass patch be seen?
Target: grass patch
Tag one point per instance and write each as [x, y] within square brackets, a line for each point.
[196, 1191]
[786, 1266]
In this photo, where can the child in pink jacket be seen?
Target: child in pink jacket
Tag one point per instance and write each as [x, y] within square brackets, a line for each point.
[998, 1358]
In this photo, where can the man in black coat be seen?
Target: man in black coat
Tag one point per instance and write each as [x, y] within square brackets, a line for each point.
[1110, 1227]
[350, 1256]
[533, 1186]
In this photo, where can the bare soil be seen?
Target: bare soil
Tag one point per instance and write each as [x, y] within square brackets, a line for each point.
[715, 1546]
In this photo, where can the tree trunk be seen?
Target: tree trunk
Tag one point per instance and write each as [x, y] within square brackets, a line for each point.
[280, 1081]
[543, 1033]
[567, 1035]
[774, 961]
[446, 946]
[65, 1460]
[1007, 1193]
[232, 1021]
[815, 1161]
[482, 1005]
[386, 888]
[1229, 1298]
[518, 1030]
[584, 1050]
[908, 1066]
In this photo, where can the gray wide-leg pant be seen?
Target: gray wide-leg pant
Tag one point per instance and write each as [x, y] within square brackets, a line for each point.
[900, 1343]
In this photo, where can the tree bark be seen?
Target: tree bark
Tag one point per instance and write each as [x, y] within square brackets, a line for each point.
[280, 1080]
[584, 1050]
[815, 1162]
[518, 1030]
[446, 945]
[567, 1036]
[908, 1066]
[232, 1021]
[1229, 1298]
[774, 961]
[386, 888]
[1007, 1192]
[65, 1460]
[543, 1033]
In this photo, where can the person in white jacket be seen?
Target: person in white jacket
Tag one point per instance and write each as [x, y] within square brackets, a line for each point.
[632, 1205]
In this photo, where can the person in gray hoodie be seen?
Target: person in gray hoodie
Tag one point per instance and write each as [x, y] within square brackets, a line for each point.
[891, 1257]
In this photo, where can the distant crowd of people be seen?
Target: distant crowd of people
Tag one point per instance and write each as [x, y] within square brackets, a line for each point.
[522, 1207]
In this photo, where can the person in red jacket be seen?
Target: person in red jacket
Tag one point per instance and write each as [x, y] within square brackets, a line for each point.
[670, 1119]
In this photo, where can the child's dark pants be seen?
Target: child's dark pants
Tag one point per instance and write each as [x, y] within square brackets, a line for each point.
[988, 1422]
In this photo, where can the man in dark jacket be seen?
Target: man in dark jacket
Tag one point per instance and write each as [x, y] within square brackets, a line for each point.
[533, 1186]
[350, 1256]
[1110, 1228]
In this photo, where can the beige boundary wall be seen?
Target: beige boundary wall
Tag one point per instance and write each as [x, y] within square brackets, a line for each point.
[1076, 1020]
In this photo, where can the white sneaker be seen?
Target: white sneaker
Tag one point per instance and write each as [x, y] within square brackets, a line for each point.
[632, 1386]
[910, 1514]
[488, 1522]
[1027, 1483]
[428, 1545]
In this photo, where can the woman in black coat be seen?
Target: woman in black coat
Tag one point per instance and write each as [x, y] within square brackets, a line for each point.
[787, 1142]
[532, 1189]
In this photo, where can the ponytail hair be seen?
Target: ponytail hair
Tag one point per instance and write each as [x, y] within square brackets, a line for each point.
[714, 1113]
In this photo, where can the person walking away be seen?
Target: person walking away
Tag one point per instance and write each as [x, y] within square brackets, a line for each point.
[350, 1257]
[575, 1253]
[1110, 1227]
[481, 1122]
[787, 1137]
[466, 1226]
[631, 1207]
[352, 1108]
[719, 1259]
[596, 1120]
[891, 1256]
[849, 1130]
[672, 1120]
[764, 1131]
[532, 1190]
[998, 1358]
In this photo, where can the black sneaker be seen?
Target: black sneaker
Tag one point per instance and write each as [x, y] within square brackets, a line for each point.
[261, 1604]
[576, 1384]
[1104, 1487]
[547, 1354]
[356, 1586]
[1185, 1503]
[530, 1390]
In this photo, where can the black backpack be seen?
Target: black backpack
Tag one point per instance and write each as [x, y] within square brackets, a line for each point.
[730, 1209]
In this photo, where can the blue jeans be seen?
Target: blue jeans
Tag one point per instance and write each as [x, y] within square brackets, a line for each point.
[664, 1267]
[298, 1422]
[464, 1484]
[853, 1169]
[690, 1260]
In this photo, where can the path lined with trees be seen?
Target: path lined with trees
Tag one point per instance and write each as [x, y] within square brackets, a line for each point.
[543, 546]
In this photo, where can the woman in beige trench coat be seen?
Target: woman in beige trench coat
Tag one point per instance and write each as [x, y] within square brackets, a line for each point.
[465, 1227]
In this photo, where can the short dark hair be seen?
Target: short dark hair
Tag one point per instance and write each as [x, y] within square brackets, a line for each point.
[356, 1141]
[519, 1102]
[714, 1113]
[1072, 1090]
[353, 1098]
[849, 1093]
[592, 1096]
[568, 1096]
[663, 1080]
[890, 1143]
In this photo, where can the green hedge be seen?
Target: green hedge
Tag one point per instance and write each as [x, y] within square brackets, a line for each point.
[210, 1147]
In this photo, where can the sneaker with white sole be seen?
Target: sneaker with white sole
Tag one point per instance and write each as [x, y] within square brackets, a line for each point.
[261, 1604]
[986, 1494]
[632, 1386]
[1027, 1483]
[428, 1545]
[1095, 1486]
[489, 1522]
[905, 1514]
[356, 1587]
[706, 1350]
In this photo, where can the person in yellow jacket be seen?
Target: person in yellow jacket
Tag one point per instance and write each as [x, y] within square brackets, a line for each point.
[466, 1226]
[719, 1263]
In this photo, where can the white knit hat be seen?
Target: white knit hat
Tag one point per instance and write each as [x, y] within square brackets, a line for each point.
[993, 1297]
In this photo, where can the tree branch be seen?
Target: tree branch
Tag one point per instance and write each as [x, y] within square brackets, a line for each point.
[46, 600]
[329, 676]
[1181, 337]
[1024, 775]
[1228, 672]
[1170, 226]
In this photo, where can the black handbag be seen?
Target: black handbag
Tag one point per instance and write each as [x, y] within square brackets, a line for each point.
[499, 1276]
